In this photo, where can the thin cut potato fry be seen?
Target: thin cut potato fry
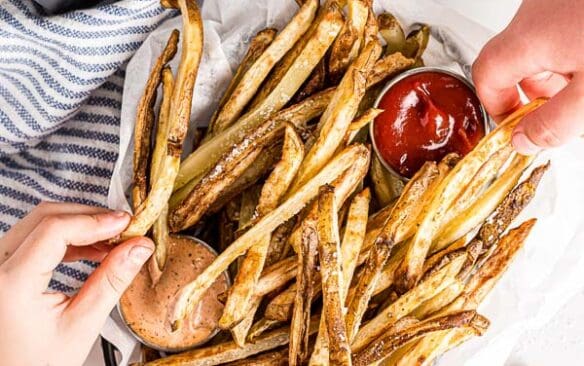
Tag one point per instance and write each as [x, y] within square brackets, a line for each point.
[364, 119]
[229, 351]
[179, 114]
[257, 47]
[160, 231]
[239, 301]
[407, 303]
[274, 358]
[145, 121]
[207, 154]
[402, 220]
[332, 278]
[338, 115]
[351, 244]
[411, 268]
[298, 351]
[392, 33]
[189, 295]
[252, 79]
[260, 327]
[385, 345]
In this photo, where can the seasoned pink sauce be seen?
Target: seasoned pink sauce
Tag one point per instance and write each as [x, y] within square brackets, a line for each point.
[145, 308]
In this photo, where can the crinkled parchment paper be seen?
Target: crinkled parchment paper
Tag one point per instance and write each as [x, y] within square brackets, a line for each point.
[548, 271]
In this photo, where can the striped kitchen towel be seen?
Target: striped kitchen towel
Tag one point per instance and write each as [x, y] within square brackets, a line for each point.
[61, 81]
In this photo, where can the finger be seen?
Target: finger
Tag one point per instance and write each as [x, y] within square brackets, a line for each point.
[555, 123]
[545, 84]
[91, 253]
[47, 244]
[107, 283]
[16, 235]
[504, 61]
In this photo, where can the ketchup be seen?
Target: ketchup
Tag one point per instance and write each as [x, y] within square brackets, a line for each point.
[426, 116]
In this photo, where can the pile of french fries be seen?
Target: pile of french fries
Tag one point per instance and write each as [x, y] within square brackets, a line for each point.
[324, 272]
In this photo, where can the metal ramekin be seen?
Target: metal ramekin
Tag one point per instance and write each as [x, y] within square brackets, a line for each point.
[403, 75]
[175, 350]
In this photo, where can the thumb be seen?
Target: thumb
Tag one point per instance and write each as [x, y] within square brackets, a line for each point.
[107, 283]
[555, 123]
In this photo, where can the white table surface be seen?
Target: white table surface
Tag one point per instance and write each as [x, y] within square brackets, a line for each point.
[560, 342]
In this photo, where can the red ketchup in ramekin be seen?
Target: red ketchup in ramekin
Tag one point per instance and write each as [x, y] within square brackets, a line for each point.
[427, 113]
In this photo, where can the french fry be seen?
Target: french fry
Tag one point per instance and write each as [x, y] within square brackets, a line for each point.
[145, 122]
[189, 295]
[257, 46]
[332, 280]
[407, 303]
[385, 345]
[230, 351]
[401, 222]
[416, 42]
[179, 114]
[392, 33]
[351, 244]
[274, 358]
[298, 349]
[251, 80]
[388, 66]
[260, 327]
[338, 115]
[346, 46]
[240, 301]
[160, 231]
[371, 31]
[315, 83]
[207, 154]
[411, 268]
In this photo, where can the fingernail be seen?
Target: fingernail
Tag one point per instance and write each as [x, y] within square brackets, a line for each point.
[524, 145]
[119, 213]
[139, 254]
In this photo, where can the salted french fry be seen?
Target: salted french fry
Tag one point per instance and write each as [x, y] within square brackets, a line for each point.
[230, 351]
[407, 303]
[385, 345]
[392, 33]
[274, 358]
[298, 351]
[188, 296]
[160, 231]
[260, 327]
[411, 268]
[207, 154]
[315, 83]
[179, 114]
[388, 66]
[251, 80]
[402, 221]
[346, 47]
[332, 278]
[351, 244]
[338, 115]
[239, 302]
[371, 31]
[257, 46]
[359, 123]
[145, 122]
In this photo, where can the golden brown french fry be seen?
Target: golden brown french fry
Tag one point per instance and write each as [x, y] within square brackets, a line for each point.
[335, 120]
[385, 345]
[315, 83]
[402, 221]
[260, 327]
[332, 278]
[257, 46]
[160, 231]
[392, 33]
[251, 80]
[388, 66]
[346, 47]
[179, 114]
[239, 302]
[298, 351]
[416, 42]
[351, 244]
[229, 351]
[189, 296]
[274, 358]
[407, 303]
[410, 270]
[371, 31]
[207, 154]
[145, 122]
[359, 123]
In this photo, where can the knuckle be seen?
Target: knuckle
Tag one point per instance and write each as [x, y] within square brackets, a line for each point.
[52, 223]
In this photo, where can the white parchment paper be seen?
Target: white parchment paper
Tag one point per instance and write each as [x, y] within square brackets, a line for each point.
[548, 271]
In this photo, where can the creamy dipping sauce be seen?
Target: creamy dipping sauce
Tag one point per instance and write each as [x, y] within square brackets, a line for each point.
[145, 308]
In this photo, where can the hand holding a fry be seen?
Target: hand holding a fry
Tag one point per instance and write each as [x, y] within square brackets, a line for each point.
[50, 328]
[541, 51]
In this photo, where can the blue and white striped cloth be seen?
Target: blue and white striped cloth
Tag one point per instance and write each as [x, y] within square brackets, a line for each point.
[61, 82]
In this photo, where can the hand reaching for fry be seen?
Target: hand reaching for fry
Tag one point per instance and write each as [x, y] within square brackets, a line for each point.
[541, 51]
[42, 328]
